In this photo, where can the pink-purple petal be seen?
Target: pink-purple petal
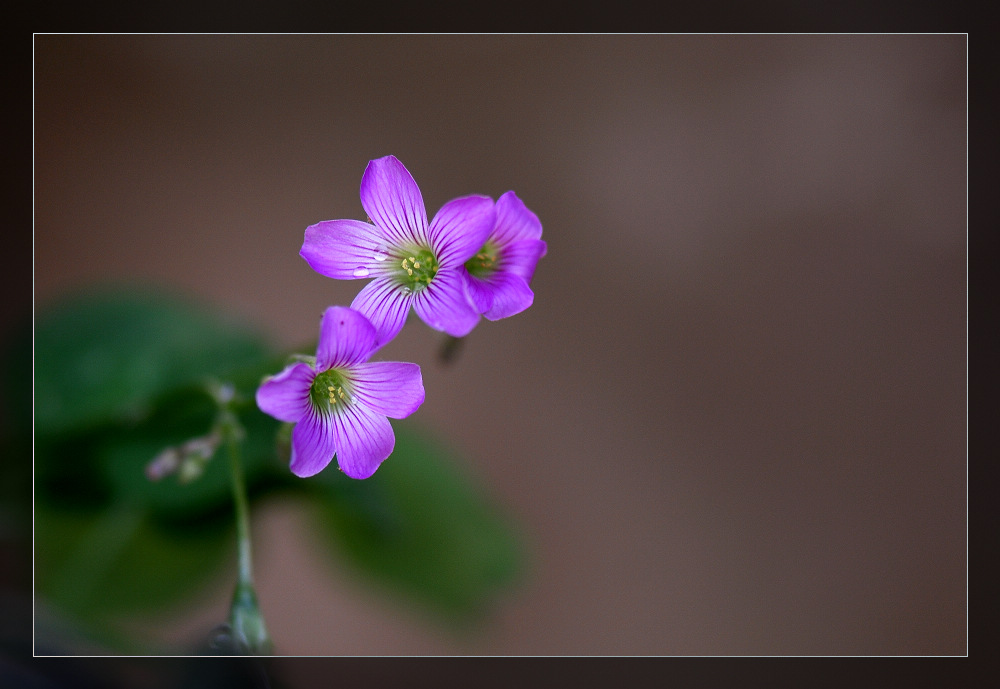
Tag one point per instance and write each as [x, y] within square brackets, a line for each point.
[445, 305]
[515, 221]
[364, 439]
[510, 295]
[460, 229]
[343, 249]
[285, 395]
[385, 304]
[479, 292]
[346, 337]
[392, 388]
[313, 444]
[521, 257]
[392, 199]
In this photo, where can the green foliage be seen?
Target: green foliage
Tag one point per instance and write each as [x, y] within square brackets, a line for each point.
[420, 527]
[104, 357]
[101, 563]
[119, 377]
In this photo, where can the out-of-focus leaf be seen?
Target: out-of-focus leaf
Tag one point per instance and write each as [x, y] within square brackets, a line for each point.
[99, 564]
[104, 356]
[420, 527]
[119, 377]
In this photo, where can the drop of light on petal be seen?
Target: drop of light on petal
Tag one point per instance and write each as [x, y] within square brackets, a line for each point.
[360, 272]
[405, 290]
[381, 254]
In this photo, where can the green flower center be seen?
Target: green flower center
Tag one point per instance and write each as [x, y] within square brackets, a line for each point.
[330, 389]
[485, 262]
[417, 269]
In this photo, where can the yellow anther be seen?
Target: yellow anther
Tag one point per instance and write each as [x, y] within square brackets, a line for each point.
[334, 391]
[404, 262]
[409, 271]
[413, 259]
[416, 265]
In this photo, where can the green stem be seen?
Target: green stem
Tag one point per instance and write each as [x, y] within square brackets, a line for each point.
[242, 510]
[245, 618]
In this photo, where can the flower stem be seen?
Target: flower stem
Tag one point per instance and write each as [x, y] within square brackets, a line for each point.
[249, 633]
[245, 558]
[450, 349]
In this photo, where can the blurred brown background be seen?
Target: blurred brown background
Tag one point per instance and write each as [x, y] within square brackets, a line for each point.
[734, 420]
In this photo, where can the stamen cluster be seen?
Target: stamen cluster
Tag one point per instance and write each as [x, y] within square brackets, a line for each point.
[418, 269]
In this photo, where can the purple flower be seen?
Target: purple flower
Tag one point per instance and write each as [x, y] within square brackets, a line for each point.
[497, 276]
[339, 404]
[413, 263]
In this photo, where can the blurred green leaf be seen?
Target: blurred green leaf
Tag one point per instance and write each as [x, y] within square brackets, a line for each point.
[97, 564]
[120, 376]
[104, 356]
[421, 528]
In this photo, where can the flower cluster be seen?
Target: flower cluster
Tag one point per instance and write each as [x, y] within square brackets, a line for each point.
[474, 258]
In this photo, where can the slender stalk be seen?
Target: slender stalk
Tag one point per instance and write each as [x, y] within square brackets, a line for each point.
[450, 349]
[249, 633]
[245, 558]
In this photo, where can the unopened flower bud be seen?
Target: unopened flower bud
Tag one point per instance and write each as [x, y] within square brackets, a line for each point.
[187, 460]
[190, 470]
[163, 464]
[201, 448]
[222, 393]
[195, 454]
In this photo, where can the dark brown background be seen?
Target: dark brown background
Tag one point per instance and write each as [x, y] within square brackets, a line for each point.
[734, 420]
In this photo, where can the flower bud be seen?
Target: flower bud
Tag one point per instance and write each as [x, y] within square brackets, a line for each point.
[195, 454]
[187, 460]
[163, 464]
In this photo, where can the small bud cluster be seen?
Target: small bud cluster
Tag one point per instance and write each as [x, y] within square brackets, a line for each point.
[188, 460]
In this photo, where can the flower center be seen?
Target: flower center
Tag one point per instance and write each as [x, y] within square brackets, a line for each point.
[417, 269]
[328, 390]
[485, 262]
